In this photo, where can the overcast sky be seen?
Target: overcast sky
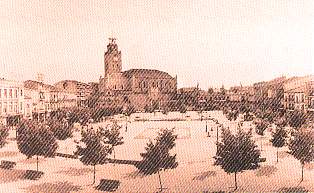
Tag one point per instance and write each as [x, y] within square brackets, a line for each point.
[212, 42]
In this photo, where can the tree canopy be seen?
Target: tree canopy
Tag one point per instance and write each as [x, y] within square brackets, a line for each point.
[157, 155]
[35, 139]
[296, 119]
[237, 152]
[112, 136]
[279, 137]
[301, 146]
[93, 151]
[4, 133]
[61, 129]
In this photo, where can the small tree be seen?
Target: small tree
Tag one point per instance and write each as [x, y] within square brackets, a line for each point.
[35, 139]
[301, 147]
[157, 155]
[112, 137]
[232, 115]
[278, 138]
[94, 151]
[260, 127]
[4, 133]
[237, 152]
[61, 129]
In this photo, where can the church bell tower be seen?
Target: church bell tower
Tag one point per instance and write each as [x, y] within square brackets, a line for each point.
[113, 62]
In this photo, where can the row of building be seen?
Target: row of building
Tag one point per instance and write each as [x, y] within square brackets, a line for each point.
[34, 99]
[295, 93]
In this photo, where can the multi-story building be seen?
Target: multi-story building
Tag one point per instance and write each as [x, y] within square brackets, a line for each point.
[44, 99]
[311, 96]
[80, 89]
[298, 93]
[11, 101]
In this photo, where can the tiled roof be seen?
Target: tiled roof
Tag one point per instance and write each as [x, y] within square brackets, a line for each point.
[146, 73]
[34, 85]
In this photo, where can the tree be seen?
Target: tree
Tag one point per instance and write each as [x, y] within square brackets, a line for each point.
[278, 138]
[35, 139]
[301, 146]
[157, 155]
[112, 137]
[93, 151]
[232, 115]
[4, 133]
[260, 127]
[60, 128]
[296, 119]
[237, 152]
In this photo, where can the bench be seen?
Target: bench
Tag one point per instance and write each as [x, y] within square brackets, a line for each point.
[33, 174]
[7, 164]
[108, 185]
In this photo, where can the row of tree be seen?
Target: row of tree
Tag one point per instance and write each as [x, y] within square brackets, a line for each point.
[40, 139]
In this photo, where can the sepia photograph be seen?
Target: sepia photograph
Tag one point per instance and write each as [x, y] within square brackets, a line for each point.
[167, 96]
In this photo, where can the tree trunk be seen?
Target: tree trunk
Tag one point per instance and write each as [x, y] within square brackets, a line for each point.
[37, 163]
[277, 154]
[94, 174]
[161, 188]
[217, 135]
[302, 172]
[235, 181]
[261, 143]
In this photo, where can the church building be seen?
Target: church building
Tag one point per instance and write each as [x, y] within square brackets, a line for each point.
[136, 87]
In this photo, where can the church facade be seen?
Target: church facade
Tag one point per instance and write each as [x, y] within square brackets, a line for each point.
[136, 87]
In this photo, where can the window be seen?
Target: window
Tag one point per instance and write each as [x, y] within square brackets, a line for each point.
[0, 108]
[16, 109]
[10, 93]
[5, 94]
[4, 107]
[21, 106]
[11, 107]
[0, 93]
[21, 92]
[15, 93]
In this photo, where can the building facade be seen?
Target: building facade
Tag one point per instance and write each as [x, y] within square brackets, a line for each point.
[298, 93]
[11, 101]
[42, 99]
[136, 87]
[80, 89]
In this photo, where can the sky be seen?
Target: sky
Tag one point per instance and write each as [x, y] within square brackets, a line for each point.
[212, 42]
